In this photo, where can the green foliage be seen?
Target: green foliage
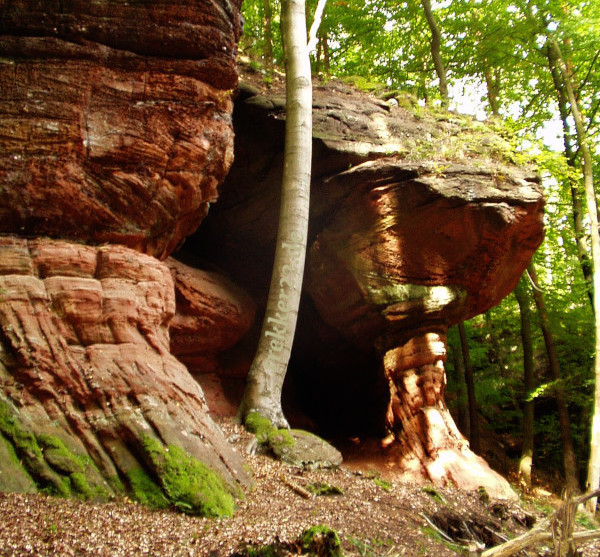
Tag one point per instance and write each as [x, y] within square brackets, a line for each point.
[188, 484]
[324, 489]
[321, 540]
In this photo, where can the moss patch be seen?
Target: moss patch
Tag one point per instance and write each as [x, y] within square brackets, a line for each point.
[47, 459]
[324, 489]
[188, 484]
[145, 490]
[321, 540]
[260, 426]
[318, 541]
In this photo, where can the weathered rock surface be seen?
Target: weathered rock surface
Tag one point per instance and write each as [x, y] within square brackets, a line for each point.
[115, 117]
[85, 363]
[417, 223]
[212, 315]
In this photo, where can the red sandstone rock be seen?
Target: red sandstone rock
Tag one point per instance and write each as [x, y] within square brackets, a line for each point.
[413, 246]
[115, 118]
[212, 312]
[85, 356]
[416, 224]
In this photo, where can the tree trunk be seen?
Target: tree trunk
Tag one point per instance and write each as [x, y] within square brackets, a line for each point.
[583, 251]
[492, 82]
[526, 460]
[593, 478]
[496, 345]
[268, 370]
[474, 429]
[436, 41]
[569, 458]
[461, 391]
[268, 23]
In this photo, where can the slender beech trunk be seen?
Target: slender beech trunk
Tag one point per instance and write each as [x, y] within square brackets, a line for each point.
[461, 390]
[268, 34]
[526, 461]
[568, 448]
[474, 429]
[593, 477]
[583, 251]
[436, 42]
[268, 370]
[492, 81]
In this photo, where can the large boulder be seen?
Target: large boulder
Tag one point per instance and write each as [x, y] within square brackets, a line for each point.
[115, 117]
[212, 315]
[115, 134]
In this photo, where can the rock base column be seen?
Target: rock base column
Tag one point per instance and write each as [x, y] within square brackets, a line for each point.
[424, 439]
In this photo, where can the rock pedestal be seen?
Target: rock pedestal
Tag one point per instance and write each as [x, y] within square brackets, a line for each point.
[424, 440]
[417, 223]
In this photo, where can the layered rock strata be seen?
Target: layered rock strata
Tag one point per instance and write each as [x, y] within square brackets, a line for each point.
[115, 118]
[115, 133]
[85, 359]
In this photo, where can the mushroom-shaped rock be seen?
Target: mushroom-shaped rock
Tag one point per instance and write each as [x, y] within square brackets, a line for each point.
[91, 396]
[418, 221]
[115, 117]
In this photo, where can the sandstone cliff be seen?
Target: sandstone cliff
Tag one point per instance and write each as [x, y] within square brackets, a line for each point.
[115, 133]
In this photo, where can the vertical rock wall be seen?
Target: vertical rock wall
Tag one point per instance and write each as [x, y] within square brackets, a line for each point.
[115, 133]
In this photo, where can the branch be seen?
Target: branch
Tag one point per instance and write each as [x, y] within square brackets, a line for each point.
[296, 487]
[544, 531]
[314, 28]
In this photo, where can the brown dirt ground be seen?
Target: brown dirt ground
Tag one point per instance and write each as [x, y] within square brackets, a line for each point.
[371, 517]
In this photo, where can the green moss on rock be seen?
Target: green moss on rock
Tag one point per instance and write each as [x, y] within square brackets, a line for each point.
[188, 484]
[144, 489]
[51, 464]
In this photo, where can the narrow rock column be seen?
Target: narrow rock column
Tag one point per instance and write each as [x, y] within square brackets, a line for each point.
[423, 437]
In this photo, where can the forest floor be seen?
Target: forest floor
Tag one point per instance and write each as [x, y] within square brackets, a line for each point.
[372, 517]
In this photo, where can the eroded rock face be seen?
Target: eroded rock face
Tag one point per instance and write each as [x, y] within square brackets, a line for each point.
[115, 118]
[212, 315]
[413, 246]
[85, 358]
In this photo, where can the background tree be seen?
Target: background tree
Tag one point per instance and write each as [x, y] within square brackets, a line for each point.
[526, 460]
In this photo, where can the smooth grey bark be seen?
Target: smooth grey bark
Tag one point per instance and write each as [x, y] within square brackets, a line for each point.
[568, 448]
[593, 476]
[268, 370]
[436, 42]
[526, 460]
